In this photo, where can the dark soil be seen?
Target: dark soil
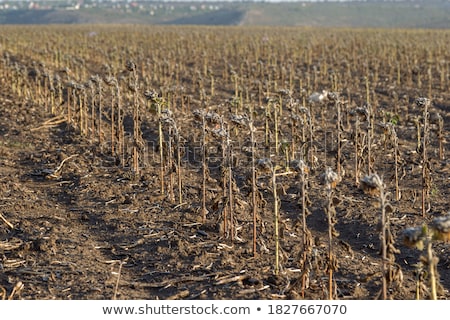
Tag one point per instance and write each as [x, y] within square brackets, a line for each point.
[72, 236]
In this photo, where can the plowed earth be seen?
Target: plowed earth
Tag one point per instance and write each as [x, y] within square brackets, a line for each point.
[97, 232]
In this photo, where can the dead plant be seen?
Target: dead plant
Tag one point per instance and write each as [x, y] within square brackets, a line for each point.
[423, 237]
[330, 179]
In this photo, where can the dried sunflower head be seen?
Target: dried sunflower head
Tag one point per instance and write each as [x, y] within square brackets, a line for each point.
[330, 178]
[305, 111]
[371, 184]
[240, 120]
[219, 132]
[299, 166]
[421, 102]
[318, 97]
[264, 165]
[151, 95]
[333, 96]
[413, 237]
[130, 65]
[111, 81]
[362, 112]
[441, 228]
[95, 79]
[285, 92]
[198, 114]
[213, 117]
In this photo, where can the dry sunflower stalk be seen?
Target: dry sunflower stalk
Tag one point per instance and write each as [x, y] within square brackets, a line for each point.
[423, 237]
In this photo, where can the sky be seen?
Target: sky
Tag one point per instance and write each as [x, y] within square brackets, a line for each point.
[294, 0]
